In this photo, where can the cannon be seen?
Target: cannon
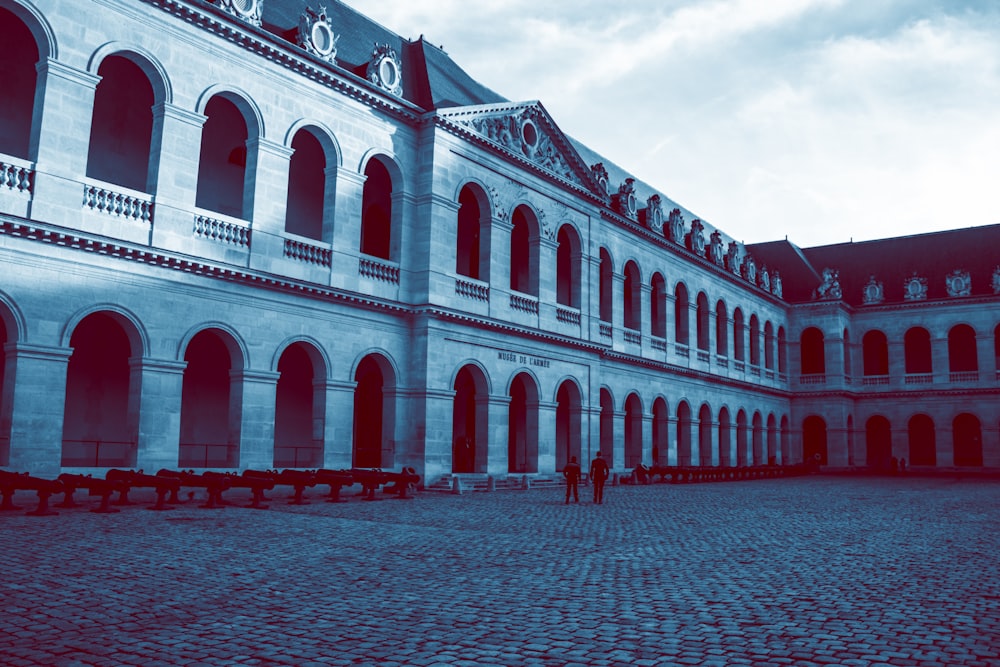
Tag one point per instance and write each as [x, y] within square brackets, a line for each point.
[401, 481]
[10, 482]
[128, 479]
[257, 481]
[369, 479]
[337, 479]
[95, 487]
[299, 480]
[214, 483]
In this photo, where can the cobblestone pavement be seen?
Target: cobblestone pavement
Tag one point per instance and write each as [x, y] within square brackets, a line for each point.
[803, 571]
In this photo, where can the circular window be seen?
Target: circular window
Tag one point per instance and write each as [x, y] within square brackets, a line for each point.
[322, 38]
[388, 73]
[528, 133]
[245, 7]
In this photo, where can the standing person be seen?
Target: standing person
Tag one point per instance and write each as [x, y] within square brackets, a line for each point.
[572, 474]
[599, 474]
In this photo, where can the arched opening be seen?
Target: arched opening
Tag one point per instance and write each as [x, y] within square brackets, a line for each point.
[684, 435]
[786, 442]
[469, 421]
[754, 340]
[782, 351]
[471, 255]
[706, 455]
[298, 411]
[607, 284]
[742, 438]
[962, 357]
[307, 187]
[210, 431]
[878, 443]
[772, 440]
[847, 353]
[97, 429]
[721, 329]
[6, 391]
[658, 307]
[812, 352]
[376, 211]
[923, 449]
[917, 351]
[607, 426]
[759, 455]
[18, 78]
[633, 298]
[875, 353]
[568, 426]
[725, 439]
[681, 330]
[222, 168]
[568, 267]
[522, 428]
[633, 431]
[702, 325]
[769, 346]
[661, 427]
[374, 413]
[739, 336]
[122, 125]
[524, 242]
[814, 440]
[850, 440]
[967, 439]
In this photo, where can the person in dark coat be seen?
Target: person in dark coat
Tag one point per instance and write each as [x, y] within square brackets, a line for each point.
[572, 474]
[599, 472]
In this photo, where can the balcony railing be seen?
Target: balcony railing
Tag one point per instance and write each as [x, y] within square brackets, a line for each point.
[755, 371]
[132, 206]
[222, 231]
[472, 290]
[874, 380]
[307, 252]
[658, 344]
[568, 315]
[704, 357]
[376, 270]
[964, 376]
[740, 366]
[813, 378]
[604, 328]
[918, 378]
[15, 175]
[633, 337]
[526, 304]
[721, 361]
[682, 350]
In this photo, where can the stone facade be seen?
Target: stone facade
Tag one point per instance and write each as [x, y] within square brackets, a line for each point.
[301, 258]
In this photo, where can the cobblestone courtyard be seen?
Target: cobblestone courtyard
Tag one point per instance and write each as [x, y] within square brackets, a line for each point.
[820, 570]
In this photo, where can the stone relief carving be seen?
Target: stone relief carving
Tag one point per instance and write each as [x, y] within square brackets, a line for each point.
[873, 292]
[958, 283]
[385, 69]
[522, 133]
[996, 280]
[764, 278]
[245, 10]
[829, 289]
[654, 214]
[696, 238]
[750, 269]
[548, 229]
[715, 251]
[623, 202]
[675, 225]
[733, 263]
[316, 34]
[915, 288]
[504, 197]
[776, 288]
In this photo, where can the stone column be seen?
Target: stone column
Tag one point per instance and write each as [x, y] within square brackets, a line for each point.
[617, 314]
[897, 363]
[645, 313]
[254, 418]
[39, 376]
[175, 157]
[338, 424]
[547, 271]
[346, 231]
[618, 446]
[265, 197]
[497, 463]
[647, 439]
[546, 436]
[159, 383]
[437, 407]
[939, 359]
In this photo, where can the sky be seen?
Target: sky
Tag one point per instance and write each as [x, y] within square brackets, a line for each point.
[823, 121]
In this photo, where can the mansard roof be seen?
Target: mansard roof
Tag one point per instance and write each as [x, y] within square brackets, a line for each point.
[893, 262]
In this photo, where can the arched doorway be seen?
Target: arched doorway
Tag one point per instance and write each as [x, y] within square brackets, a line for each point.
[569, 442]
[469, 423]
[522, 427]
[814, 440]
[725, 439]
[923, 449]
[742, 438]
[772, 440]
[98, 425]
[759, 455]
[967, 437]
[661, 446]
[878, 443]
[706, 456]
[684, 434]
[6, 389]
[633, 431]
[298, 410]
[210, 431]
[374, 413]
[607, 426]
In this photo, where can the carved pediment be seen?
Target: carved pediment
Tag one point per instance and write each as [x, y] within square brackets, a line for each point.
[527, 131]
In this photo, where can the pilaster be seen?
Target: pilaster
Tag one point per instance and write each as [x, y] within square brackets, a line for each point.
[39, 397]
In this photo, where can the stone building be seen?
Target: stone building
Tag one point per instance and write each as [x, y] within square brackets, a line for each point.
[266, 233]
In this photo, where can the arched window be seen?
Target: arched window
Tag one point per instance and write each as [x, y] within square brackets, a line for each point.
[568, 267]
[607, 284]
[209, 438]
[681, 330]
[568, 425]
[524, 252]
[769, 345]
[917, 351]
[739, 336]
[307, 186]
[376, 211]
[658, 307]
[222, 169]
[473, 234]
[721, 330]
[703, 322]
[633, 298]
[875, 350]
[17, 81]
[811, 349]
[754, 340]
[962, 357]
[782, 352]
[469, 422]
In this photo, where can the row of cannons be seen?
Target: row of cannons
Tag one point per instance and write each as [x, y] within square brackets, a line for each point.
[643, 474]
[168, 483]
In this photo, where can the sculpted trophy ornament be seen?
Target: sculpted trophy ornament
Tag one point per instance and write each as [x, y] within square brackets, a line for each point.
[316, 34]
[245, 10]
[624, 200]
[385, 69]
[829, 289]
[873, 292]
[776, 284]
[601, 176]
[958, 283]
[995, 283]
[733, 263]
[750, 269]
[654, 214]
[915, 288]
[764, 278]
[696, 238]
[675, 225]
[715, 251]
